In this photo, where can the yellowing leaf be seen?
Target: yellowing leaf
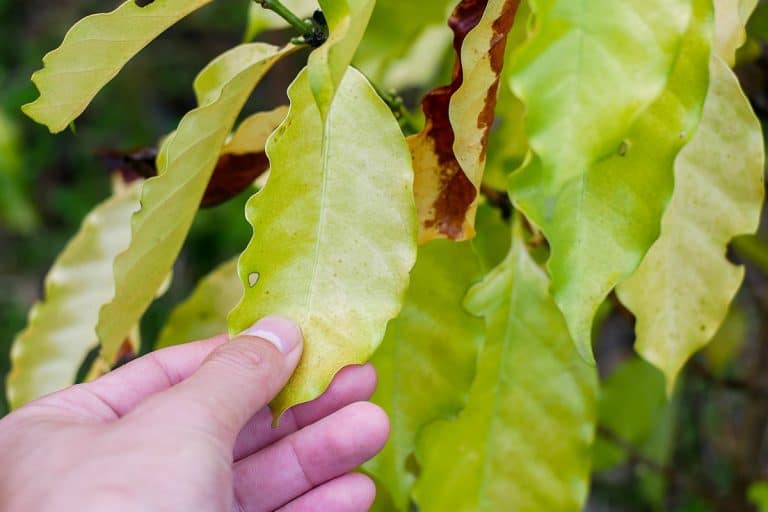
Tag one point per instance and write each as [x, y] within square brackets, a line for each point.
[336, 256]
[730, 21]
[347, 20]
[170, 200]
[632, 80]
[426, 362]
[48, 353]
[204, 313]
[681, 292]
[95, 50]
[449, 153]
[523, 442]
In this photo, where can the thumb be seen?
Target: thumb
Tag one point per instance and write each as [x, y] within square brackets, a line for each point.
[236, 380]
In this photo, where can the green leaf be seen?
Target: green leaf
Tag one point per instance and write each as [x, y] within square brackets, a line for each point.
[16, 210]
[681, 292]
[204, 313]
[426, 362]
[523, 442]
[347, 21]
[261, 19]
[605, 141]
[95, 50]
[170, 200]
[632, 400]
[395, 29]
[60, 332]
[336, 256]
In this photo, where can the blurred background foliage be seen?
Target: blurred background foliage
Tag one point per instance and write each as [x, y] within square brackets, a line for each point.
[701, 449]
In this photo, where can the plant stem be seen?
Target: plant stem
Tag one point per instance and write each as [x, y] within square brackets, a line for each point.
[312, 31]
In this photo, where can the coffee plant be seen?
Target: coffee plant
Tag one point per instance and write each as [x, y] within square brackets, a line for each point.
[580, 158]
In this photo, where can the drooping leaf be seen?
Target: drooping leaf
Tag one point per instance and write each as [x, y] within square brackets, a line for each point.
[61, 329]
[449, 153]
[336, 256]
[681, 292]
[261, 19]
[204, 313]
[632, 80]
[523, 442]
[730, 21]
[169, 201]
[347, 21]
[95, 50]
[426, 362]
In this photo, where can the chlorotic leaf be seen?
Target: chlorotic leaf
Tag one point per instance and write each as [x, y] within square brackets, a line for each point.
[336, 256]
[347, 21]
[170, 200]
[95, 50]
[261, 19]
[632, 78]
[48, 353]
[204, 313]
[449, 153]
[523, 442]
[681, 292]
[426, 362]
[730, 22]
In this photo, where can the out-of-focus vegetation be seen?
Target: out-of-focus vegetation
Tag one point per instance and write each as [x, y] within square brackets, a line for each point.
[701, 449]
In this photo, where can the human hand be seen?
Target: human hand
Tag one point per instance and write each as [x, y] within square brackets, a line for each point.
[187, 428]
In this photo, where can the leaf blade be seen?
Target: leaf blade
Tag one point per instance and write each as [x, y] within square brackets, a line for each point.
[719, 195]
[170, 200]
[300, 263]
[65, 90]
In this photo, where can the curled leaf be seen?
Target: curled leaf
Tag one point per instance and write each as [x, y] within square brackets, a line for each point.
[95, 50]
[449, 153]
[336, 257]
[587, 76]
[169, 201]
[681, 292]
[47, 354]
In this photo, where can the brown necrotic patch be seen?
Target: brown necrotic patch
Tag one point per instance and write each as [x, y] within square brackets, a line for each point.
[457, 193]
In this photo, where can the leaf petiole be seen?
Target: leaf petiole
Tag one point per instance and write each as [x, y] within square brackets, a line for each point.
[312, 31]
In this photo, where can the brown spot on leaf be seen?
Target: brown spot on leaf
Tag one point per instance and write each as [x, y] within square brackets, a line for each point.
[456, 194]
[233, 173]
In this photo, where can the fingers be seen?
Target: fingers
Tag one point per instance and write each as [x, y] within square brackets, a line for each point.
[310, 457]
[349, 493]
[237, 379]
[123, 389]
[351, 384]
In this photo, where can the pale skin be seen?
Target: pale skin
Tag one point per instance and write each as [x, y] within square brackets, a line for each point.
[187, 428]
